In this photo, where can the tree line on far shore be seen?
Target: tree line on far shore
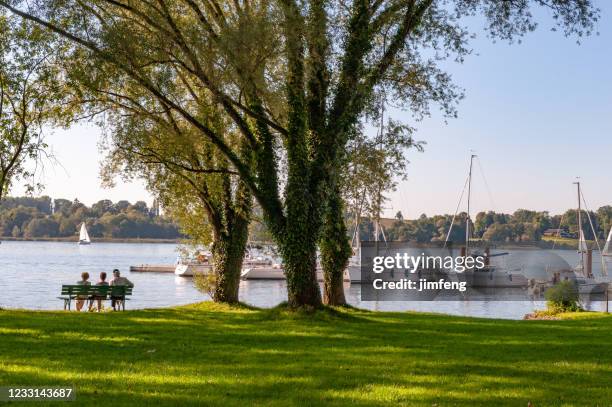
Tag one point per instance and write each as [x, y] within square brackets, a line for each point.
[521, 226]
[43, 217]
[28, 217]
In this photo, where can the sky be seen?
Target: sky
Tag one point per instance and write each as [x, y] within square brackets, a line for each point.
[538, 114]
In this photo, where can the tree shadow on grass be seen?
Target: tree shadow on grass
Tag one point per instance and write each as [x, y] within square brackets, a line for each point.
[209, 355]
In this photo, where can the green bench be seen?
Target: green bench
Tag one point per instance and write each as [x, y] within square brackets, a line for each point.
[95, 292]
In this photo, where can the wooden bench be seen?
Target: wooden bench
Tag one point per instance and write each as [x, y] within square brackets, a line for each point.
[95, 292]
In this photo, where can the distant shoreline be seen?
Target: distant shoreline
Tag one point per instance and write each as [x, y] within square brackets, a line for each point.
[96, 240]
[540, 245]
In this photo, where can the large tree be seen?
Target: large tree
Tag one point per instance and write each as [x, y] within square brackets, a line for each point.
[321, 59]
[192, 180]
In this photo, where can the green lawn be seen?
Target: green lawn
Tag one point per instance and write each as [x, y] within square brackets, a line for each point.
[566, 241]
[206, 354]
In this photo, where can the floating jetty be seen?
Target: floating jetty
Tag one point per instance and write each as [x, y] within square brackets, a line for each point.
[153, 268]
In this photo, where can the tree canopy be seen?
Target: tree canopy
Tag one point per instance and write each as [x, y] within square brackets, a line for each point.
[30, 98]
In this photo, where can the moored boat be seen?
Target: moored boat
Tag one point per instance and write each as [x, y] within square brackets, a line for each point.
[190, 266]
[191, 269]
[276, 272]
[263, 272]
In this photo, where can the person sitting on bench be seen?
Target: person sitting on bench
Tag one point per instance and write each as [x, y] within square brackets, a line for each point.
[117, 281]
[80, 299]
[99, 298]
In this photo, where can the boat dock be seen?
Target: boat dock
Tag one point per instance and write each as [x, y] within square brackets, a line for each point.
[153, 268]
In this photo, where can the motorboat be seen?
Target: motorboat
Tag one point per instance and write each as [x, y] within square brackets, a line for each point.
[262, 272]
[276, 272]
[190, 266]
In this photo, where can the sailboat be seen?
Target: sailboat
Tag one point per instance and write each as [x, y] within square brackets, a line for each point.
[607, 250]
[584, 267]
[491, 276]
[353, 270]
[84, 236]
[582, 273]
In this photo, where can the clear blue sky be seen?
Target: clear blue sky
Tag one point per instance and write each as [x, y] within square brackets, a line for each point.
[538, 114]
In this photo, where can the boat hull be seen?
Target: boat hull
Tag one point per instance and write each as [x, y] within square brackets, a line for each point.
[190, 270]
[153, 268]
[354, 273]
[263, 273]
[493, 279]
[276, 273]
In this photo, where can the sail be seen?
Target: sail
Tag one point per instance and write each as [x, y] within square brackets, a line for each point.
[582, 244]
[84, 236]
[607, 250]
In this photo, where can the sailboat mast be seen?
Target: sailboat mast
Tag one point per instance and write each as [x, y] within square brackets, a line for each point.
[580, 234]
[376, 232]
[467, 220]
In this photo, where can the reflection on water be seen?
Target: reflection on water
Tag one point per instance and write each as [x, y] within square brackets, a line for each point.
[31, 274]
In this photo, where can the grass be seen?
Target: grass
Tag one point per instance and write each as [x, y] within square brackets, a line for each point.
[208, 354]
[566, 241]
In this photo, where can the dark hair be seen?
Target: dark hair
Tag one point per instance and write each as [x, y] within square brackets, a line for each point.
[116, 271]
[103, 276]
[85, 276]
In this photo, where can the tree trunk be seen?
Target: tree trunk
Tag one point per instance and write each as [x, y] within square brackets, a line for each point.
[299, 252]
[335, 250]
[227, 256]
[230, 240]
[226, 266]
[299, 262]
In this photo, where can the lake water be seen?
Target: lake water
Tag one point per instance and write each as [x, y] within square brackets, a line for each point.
[31, 275]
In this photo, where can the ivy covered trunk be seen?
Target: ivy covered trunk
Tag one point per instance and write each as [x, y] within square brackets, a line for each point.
[227, 256]
[298, 235]
[298, 247]
[335, 250]
[230, 217]
[300, 263]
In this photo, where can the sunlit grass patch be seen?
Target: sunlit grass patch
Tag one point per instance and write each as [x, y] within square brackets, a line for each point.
[211, 354]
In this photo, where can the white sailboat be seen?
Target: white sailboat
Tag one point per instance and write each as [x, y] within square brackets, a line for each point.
[491, 276]
[354, 266]
[607, 250]
[587, 284]
[582, 243]
[583, 249]
[352, 272]
[84, 236]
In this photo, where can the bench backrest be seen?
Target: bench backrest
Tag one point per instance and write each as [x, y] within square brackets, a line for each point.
[120, 290]
[76, 289]
[101, 290]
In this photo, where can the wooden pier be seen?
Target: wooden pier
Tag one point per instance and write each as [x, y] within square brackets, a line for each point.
[153, 268]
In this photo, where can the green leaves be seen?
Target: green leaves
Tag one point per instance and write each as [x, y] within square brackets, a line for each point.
[30, 97]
